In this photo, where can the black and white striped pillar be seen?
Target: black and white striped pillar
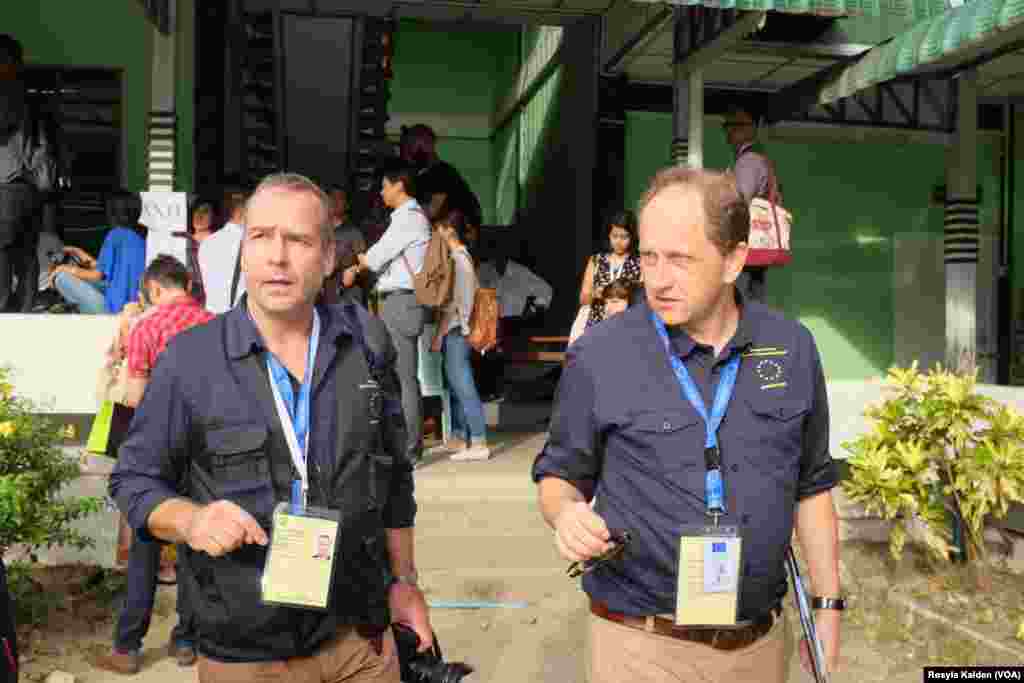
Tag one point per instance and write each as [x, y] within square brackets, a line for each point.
[162, 123]
[161, 151]
[680, 152]
[961, 240]
[960, 255]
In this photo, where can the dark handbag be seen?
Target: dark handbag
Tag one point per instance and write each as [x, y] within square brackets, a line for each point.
[119, 423]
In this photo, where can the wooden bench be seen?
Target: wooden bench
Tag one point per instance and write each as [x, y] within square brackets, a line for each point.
[540, 350]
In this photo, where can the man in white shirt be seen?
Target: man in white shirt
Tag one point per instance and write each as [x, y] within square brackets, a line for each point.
[395, 258]
[218, 258]
[516, 284]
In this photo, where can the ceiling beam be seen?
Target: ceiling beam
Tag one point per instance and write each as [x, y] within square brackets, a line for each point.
[707, 52]
[648, 33]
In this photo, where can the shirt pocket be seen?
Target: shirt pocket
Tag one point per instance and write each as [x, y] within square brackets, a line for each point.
[667, 441]
[236, 467]
[774, 433]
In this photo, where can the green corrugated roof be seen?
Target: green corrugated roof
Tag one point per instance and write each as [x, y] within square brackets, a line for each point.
[953, 33]
[909, 9]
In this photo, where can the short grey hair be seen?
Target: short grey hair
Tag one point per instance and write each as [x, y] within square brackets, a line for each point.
[294, 182]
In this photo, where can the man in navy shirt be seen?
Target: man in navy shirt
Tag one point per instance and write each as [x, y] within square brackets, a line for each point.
[626, 425]
[220, 438]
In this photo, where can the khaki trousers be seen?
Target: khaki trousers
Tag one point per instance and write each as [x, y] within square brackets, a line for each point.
[621, 654]
[349, 658]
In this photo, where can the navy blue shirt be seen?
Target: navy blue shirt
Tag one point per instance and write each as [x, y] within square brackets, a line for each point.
[621, 423]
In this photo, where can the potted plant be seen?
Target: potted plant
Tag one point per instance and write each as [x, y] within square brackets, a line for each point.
[937, 451]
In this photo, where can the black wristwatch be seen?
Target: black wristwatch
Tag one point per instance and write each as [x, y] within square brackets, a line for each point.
[838, 604]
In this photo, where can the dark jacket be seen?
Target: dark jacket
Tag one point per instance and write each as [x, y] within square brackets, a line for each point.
[207, 429]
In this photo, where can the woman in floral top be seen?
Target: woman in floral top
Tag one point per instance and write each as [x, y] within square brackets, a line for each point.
[619, 262]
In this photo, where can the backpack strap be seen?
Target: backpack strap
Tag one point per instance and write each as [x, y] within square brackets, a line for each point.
[234, 278]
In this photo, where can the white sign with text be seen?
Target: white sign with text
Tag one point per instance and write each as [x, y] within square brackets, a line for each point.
[163, 214]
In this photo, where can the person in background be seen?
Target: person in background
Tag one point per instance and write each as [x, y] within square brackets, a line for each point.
[106, 284]
[396, 258]
[617, 296]
[28, 176]
[520, 290]
[469, 426]
[172, 311]
[349, 242]
[439, 185]
[200, 227]
[619, 262]
[754, 177]
[219, 257]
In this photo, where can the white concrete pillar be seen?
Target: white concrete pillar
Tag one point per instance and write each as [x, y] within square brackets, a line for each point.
[961, 230]
[162, 118]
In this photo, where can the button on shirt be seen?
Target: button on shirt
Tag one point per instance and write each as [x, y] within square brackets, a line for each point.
[408, 234]
[620, 421]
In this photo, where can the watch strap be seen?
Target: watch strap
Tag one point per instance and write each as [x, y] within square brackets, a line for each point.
[828, 603]
[411, 579]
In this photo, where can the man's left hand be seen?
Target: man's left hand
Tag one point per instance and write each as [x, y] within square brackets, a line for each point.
[409, 608]
[826, 622]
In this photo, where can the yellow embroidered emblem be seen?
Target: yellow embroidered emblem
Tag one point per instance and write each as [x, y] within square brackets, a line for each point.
[765, 352]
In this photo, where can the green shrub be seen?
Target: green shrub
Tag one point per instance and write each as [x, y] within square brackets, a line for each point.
[938, 447]
[33, 470]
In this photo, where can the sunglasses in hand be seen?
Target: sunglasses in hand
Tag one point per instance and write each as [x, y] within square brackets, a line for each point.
[619, 541]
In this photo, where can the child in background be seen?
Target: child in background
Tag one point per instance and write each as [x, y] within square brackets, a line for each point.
[616, 300]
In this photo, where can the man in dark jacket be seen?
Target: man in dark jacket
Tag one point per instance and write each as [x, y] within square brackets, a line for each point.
[272, 398]
[438, 183]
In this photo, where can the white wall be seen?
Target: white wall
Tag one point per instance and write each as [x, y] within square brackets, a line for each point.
[56, 358]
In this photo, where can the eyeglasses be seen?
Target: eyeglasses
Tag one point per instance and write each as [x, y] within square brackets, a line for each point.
[736, 124]
[619, 542]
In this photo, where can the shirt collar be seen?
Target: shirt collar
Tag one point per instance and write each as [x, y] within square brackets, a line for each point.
[684, 344]
[744, 148]
[409, 205]
[244, 338]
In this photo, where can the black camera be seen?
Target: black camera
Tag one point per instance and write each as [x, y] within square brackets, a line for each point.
[59, 258]
[425, 667]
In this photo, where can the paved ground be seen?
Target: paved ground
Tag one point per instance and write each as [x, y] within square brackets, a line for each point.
[481, 537]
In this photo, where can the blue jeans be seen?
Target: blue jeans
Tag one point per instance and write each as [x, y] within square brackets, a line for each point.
[87, 296]
[467, 410]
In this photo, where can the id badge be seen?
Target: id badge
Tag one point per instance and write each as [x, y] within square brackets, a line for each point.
[709, 575]
[300, 562]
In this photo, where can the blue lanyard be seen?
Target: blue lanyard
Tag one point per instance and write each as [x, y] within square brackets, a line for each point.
[298, 408]
[714, 489]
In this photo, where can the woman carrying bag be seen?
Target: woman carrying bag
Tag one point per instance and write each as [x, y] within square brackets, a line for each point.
[469, 426]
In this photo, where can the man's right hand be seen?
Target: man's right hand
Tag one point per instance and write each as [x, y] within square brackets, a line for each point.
[223, 527]
[580, 534]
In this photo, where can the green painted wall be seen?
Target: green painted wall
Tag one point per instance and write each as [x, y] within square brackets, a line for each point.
[101, 33]
[451, 80]
[848, 204]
